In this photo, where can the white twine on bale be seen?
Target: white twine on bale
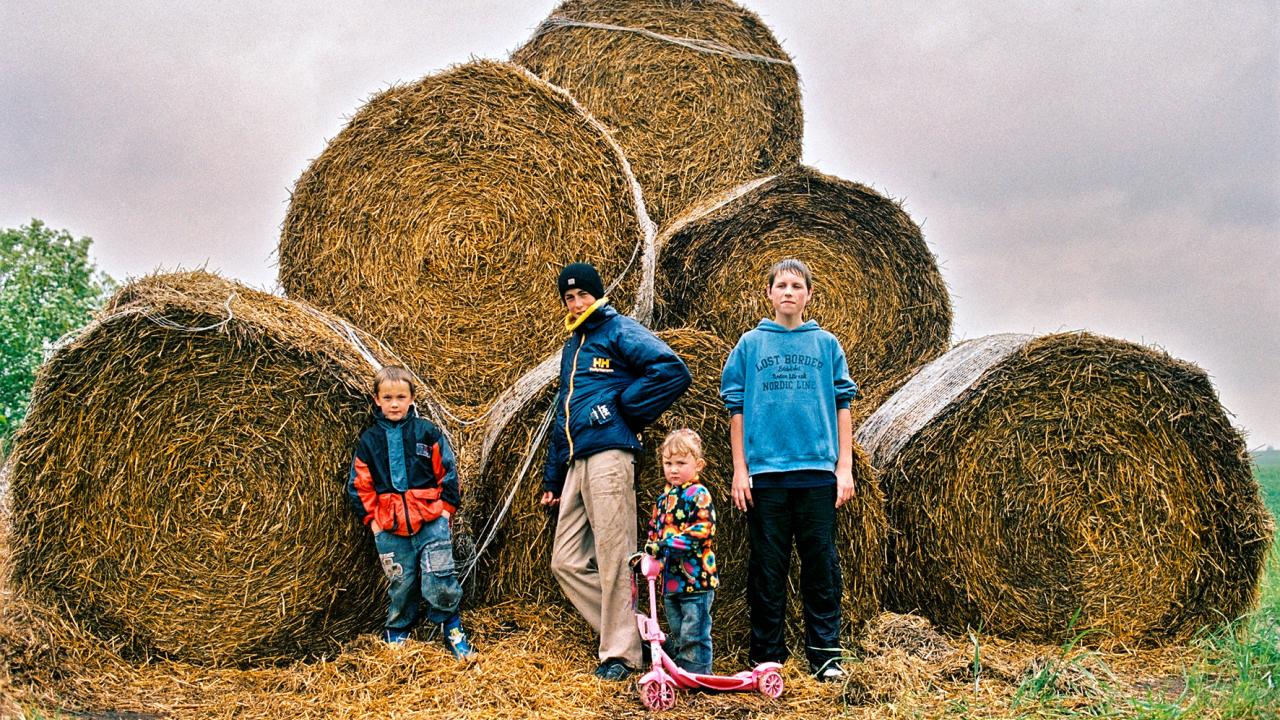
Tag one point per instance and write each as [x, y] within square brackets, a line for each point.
[930, 392]
[348, 332]
[490, 529]
[146, 311]
[644, 249]
[506, 407]
[698, 44]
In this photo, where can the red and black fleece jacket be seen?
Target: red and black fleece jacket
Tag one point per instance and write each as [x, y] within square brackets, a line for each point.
[403, 474]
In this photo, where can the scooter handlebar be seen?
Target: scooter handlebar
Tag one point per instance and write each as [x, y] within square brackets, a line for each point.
[646, 564]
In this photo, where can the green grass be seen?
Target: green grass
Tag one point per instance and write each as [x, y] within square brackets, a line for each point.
[1238, 676]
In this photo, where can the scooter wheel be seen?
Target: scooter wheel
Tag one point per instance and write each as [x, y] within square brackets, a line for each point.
[658, 695]
[770, 684]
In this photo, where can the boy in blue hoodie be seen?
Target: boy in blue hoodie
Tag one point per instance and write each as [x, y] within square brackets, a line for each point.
[616, 378]
[403, 485]
[787, 388]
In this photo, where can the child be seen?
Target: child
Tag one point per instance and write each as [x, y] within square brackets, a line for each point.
[681, 529]
[616, 377]
[787, 387]
[404, 486]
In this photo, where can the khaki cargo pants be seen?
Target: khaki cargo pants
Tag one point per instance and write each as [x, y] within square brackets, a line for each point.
[595, 534]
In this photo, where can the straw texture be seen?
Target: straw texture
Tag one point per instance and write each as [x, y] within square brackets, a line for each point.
[876, 284]
[178, 485]
[698, 92]
[440, 217]
[1076, 483]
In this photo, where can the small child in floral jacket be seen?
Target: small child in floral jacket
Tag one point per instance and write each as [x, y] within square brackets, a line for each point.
[681, 530]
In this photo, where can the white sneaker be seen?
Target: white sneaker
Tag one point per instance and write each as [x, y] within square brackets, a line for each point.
[830, 672]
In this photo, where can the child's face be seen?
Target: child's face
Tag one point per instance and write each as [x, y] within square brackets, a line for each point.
[681, 468]
[393, 399]
[789, 294]
[576, 301]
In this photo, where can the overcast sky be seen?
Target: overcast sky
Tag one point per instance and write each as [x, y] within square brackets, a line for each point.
[1109, 166]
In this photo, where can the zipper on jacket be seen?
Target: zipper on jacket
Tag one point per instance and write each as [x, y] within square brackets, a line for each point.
[573, 371]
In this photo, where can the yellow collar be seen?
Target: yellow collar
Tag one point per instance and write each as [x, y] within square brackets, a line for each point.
[571, 324]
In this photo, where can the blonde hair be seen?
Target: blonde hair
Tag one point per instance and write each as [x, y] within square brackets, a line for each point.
[682, 442]
[393, 374]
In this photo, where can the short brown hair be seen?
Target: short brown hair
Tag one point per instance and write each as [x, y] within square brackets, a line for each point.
[791, 265]
[393, 373]
[682, 442]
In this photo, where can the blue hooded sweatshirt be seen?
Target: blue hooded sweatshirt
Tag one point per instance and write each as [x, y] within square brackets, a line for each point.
[788, 386]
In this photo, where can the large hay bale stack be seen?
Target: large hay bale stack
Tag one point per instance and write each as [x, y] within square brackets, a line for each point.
[439, 218]
[1029, 480]
[876, 284]
[517, 564]
[699, 93]
[179, 483]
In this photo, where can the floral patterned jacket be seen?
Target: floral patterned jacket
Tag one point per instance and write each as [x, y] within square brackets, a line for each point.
[681, 531]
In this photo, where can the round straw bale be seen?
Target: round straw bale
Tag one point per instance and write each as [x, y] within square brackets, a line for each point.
[876, 285]
[699, 94]
[440, 217]
[1040, 487]
[518, 562]
[179, 482]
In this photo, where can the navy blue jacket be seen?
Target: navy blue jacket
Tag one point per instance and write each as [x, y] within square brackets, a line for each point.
[616, 378]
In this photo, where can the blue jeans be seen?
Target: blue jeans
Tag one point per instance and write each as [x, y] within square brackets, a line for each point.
[689, 622]
[420, 567]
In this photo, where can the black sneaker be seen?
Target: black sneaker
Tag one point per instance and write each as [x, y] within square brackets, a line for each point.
[613, 669]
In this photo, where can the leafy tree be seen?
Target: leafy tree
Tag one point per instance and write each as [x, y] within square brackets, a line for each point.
[48, 287]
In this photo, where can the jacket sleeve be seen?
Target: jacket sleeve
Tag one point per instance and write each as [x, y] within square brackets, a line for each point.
[662, 380]
[655, 529]
[553, 473]
[445, 467]
[360, 492]
[733, 381]
[846, 388]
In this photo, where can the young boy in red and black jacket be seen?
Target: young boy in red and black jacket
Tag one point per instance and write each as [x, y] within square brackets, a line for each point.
[404, 486]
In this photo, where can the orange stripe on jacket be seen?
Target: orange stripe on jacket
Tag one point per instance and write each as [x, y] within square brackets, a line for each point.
[364, 487]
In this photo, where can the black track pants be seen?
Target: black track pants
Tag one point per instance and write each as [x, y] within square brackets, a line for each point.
[807, 516]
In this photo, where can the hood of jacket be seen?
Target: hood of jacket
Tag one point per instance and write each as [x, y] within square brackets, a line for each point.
[768, 325]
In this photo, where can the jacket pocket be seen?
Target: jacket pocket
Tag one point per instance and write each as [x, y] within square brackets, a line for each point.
[425, 505]
[387, 512]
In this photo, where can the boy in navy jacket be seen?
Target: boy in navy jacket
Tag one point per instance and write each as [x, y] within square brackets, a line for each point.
[787, 388]
[616, 378]
[403, 485]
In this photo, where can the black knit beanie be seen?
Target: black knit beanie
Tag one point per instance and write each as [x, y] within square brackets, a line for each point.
[580, 276]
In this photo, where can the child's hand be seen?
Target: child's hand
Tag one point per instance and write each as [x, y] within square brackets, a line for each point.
[549, 499]
[844, 485]
[742, 490]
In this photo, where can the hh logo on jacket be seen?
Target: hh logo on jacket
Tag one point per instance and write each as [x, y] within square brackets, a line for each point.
[601, 365]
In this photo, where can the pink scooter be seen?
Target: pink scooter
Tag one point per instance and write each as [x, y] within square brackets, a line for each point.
[658, 686]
